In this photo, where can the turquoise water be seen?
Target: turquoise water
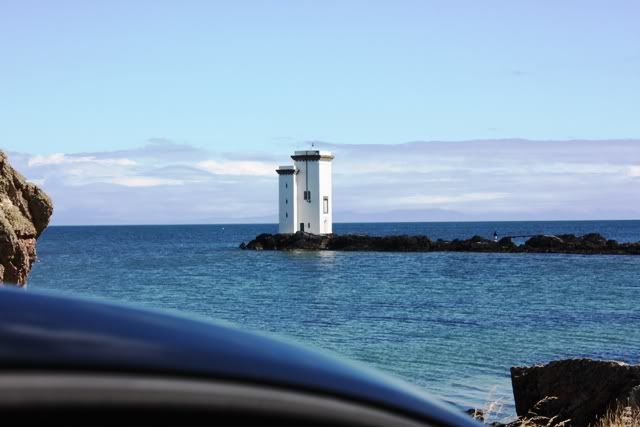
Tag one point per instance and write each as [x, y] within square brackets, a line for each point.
[451, 322]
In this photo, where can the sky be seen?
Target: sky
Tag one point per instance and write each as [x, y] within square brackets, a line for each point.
[176, 111]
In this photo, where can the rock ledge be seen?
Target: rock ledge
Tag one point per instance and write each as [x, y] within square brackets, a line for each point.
[567, 243]
[574, 392]
[25, 211]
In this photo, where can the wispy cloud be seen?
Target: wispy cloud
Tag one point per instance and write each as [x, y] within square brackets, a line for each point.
[144, 181]
[64, 159]
[164, 181]
[436, 200]
[155, 149]
[237, 167]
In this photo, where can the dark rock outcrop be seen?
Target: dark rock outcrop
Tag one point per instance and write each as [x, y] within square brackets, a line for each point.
[574, 391]
[544, 243]
[24, 214]
[587, 244]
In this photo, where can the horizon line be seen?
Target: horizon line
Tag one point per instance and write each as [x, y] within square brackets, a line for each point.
[345, 222]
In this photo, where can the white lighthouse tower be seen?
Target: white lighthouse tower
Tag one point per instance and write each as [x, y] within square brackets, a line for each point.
[305, 196]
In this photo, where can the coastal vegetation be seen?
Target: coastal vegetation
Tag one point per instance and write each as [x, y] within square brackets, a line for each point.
[621, 416]
[572, 392]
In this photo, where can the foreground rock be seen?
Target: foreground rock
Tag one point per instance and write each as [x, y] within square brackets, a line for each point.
[24, 214]
[575, 391]
[568, 243]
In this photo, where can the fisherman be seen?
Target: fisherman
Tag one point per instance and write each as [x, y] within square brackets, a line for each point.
[495, 236]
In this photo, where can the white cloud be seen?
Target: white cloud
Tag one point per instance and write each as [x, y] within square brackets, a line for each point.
[421, 199]
[479, 180]
[238, 167]
[578, 168]
[515, 166]
[409, 165]
[63, 159]
[144, 181]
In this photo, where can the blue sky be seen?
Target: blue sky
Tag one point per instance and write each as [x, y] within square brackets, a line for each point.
[248, 81]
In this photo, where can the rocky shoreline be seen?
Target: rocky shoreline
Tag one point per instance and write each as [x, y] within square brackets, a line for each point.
[25, 211]
[572, 392]
[566, 243]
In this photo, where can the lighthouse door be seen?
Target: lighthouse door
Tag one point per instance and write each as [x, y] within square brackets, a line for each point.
[302, 227]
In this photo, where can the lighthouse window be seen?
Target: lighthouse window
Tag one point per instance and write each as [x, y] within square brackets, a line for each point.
[286, 185]
[325, 204]
[286, 214]
[286, 201]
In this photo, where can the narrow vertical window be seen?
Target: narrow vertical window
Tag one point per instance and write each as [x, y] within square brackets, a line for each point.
[325, 204]
[286, 214]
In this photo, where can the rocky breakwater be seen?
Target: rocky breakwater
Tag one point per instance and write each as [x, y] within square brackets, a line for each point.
[574, 392]
[24, 214]
[567, 243]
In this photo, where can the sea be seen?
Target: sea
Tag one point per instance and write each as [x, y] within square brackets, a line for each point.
[452, 323]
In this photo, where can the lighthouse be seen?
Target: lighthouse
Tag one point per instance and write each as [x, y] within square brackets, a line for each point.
[305, 196]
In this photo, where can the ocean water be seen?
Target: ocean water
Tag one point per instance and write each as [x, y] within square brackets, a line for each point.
[453, 323]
